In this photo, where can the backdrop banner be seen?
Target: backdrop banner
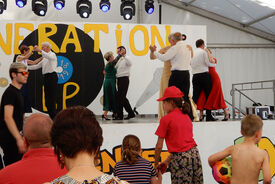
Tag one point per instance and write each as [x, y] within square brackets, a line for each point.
[80, 48]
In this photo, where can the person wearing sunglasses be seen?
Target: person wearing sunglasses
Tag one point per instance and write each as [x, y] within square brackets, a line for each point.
[12, 115]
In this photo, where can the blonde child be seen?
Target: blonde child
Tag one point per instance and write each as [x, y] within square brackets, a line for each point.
[247, 158]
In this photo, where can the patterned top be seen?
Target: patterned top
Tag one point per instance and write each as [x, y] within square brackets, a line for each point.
[104, 179]
[140, 172]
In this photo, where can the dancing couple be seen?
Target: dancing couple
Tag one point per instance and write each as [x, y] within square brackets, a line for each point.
[117, 72]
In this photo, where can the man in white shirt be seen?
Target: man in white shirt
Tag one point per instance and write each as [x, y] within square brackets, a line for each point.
[123, 71]
[201, 78]
[180, 56]
[50, 78]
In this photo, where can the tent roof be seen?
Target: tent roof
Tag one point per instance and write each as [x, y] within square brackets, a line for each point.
[248, 15]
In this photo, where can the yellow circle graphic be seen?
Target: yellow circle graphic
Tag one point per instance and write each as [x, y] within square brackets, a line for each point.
[3, 82]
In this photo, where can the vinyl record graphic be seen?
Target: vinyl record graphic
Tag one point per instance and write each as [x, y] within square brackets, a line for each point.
[80, 75]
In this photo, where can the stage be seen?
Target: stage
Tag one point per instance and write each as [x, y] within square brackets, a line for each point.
[209, 136]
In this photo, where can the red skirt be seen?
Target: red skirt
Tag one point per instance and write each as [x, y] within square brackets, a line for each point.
[215, 99]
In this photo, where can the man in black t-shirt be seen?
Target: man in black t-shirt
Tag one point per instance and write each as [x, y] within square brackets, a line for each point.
[12, 114]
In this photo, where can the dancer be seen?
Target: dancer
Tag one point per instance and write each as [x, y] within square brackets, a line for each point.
[50, 78]
[133, 168]
[247, 158]
[166, 73]
[24, 58]
[109, 86]
[215, 99]
[179, 56]
[177, 130]
[201, 78]
[123, 72]
[12, 115]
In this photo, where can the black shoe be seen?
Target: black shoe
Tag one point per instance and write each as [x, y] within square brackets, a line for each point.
[211, 118]
[201, 119]
[118, 118]
[135, 111]
[104, 117]
[130, 116]
[226, 118]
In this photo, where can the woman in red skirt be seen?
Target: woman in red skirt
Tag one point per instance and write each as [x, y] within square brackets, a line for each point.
[215, 99]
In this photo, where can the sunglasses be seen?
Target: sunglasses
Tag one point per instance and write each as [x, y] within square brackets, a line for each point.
[24, 73]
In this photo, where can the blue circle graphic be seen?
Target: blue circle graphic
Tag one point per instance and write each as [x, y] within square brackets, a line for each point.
[64, 69]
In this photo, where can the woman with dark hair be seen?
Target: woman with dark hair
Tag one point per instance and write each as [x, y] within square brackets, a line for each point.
[133, 168]
[24, 58]
[176, 129]
[76, 137]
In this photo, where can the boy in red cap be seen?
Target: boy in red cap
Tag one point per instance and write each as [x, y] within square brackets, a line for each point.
[177, 130]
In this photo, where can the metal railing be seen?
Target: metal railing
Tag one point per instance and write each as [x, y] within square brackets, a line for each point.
[240, 87]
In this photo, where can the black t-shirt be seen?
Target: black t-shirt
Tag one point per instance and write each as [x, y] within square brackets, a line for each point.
[11, 96]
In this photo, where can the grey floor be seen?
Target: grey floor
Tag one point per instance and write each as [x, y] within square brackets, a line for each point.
[148, 118]
[152, 118]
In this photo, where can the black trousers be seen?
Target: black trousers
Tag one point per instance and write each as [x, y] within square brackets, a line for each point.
[122, 89]
[181, 79]
[11, 153]
[25, 93]
[50, 88]
[202, 82]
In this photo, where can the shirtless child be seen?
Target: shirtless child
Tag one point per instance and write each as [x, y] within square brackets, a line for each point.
[247, 158]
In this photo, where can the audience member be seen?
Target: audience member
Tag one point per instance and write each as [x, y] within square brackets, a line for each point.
[39, 163]
[12, 115]
[77, 137]
[176, 129]
[247, 158]
[133, 168]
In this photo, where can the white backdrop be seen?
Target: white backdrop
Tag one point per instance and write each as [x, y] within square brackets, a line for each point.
[135, 37]
[232, 62]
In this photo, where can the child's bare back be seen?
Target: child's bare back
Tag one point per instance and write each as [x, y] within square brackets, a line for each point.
[247, 160]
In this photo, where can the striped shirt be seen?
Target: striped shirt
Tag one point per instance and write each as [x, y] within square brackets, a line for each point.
[141, 172]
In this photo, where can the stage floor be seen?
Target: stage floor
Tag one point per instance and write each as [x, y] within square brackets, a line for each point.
[148, 118]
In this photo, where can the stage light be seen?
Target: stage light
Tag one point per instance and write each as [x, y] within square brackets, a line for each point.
[149, 6]
[21, 3]
[3, 6]
[84, 8]
[127, 9]
[39, 7]
[104, 5]
[59, 4]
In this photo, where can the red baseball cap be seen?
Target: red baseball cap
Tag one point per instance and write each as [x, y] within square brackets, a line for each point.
[171, 92]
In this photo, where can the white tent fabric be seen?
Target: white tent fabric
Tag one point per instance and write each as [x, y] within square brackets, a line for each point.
[242, 57]
[243, 11]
